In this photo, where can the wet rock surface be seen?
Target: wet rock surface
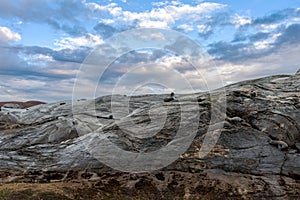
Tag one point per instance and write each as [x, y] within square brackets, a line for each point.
[53, 142]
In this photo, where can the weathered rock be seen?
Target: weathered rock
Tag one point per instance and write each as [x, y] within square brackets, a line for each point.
[59, 138]
[11, 105]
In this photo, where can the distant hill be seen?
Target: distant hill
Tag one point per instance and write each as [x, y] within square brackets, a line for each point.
[23, 105]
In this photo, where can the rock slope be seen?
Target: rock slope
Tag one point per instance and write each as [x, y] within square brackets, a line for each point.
[256, 156]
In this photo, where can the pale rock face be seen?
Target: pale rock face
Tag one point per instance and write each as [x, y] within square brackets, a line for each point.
[56, 137]
[11, 105]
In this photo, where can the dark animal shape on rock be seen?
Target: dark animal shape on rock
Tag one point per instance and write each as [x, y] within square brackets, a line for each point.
[172, 98]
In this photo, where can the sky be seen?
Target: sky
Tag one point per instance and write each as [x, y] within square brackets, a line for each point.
[45, 44]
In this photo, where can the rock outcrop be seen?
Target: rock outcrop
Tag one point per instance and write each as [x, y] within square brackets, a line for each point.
[52, 142]
[20, 105]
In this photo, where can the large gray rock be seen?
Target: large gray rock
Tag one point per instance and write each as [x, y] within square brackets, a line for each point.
[11, 105]
[56, 138]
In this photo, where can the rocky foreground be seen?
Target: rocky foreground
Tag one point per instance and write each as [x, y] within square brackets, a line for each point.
[45, 149]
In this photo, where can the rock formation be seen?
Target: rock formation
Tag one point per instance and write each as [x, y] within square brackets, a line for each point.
[49, 142]
[20, 105]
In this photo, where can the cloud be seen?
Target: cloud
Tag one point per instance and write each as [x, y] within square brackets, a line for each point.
[76, 55]
[241, 37]
[227, 51]
[34, 88]
[286, 57]
[105, 30]
[259, 36]
[162, 17]
[204, 31]
[38, 73]
[171, 13]
[185, 27]
[87, 40]
[21, 83]
[60, 15]
[111, 8]
[248, 47]
[238, 20]
[7, 35]
[10, 59]
[275, 17]
[290, 35]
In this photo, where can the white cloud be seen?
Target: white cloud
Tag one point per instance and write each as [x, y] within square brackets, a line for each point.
[107, 21]
[39, 60]
[112, 8]
[153, 24]
[88, 40]
[24, 89]
[269, 27]
[296, 19]
[260, 45]
[283, 61]
[8, 35]
[161, 17]
[159, 4]
[267, 43]
[22, 83]
[203, 28]
[186, 27]
[238, 20]
[63, 72]
[165, 3]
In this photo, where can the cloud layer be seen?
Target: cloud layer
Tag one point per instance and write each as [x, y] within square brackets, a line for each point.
[243, 46]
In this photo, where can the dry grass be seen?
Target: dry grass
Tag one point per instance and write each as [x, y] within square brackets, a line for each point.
[67, 190]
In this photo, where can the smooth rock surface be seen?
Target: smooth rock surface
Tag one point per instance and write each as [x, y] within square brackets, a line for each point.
[58, 138]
